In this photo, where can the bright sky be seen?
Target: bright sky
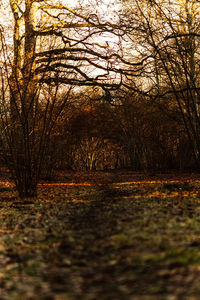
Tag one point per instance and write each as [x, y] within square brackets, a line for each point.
[106, 8]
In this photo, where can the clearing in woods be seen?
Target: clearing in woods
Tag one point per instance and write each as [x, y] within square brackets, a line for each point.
[102, 235]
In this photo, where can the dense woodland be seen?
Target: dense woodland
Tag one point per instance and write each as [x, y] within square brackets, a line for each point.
[134, 134]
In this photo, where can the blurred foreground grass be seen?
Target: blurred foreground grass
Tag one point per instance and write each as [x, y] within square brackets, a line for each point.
[106, 241]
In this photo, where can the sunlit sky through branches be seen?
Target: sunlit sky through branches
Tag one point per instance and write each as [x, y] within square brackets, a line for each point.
[102, 41]
[105, 10]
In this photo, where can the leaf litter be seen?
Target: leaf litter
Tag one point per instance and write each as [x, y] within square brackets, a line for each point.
[102, 240]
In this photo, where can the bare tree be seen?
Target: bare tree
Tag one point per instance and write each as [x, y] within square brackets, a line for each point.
[56, 47]
[169, 31]
[53, 45]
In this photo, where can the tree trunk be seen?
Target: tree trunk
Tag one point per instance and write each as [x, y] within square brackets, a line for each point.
[23, 88]
[27, 188]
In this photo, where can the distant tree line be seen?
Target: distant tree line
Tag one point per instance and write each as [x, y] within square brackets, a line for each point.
[131, 132]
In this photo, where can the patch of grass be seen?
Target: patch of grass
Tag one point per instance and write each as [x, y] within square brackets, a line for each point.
[182, 256]
[5, 189]
[173, 186]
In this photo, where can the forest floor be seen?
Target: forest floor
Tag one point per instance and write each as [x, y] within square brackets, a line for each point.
[102, 236]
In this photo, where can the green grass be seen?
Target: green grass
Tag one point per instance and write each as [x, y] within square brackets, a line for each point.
[173, 186]
[5, 189]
